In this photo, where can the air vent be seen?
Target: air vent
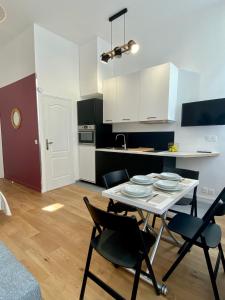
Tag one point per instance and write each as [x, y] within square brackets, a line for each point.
[2, 14]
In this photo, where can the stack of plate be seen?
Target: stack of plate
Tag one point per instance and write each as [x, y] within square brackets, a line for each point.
[136, 191]
[168, 185]
[170, 176]
[142, 179]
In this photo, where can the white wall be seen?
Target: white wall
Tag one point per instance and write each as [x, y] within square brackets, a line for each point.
[57, 70]
[196, 43]
[92, 71]
[17, 58]
[16, 62]
[56, 63]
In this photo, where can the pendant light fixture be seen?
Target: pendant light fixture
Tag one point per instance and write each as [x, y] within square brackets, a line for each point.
[117, 52]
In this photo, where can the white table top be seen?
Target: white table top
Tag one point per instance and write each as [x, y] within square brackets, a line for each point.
[158, 204]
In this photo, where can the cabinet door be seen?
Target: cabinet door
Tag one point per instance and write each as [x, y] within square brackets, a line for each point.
[109, 100]
[86, 112]
[87, 163]
[155, 93]
[128, 97]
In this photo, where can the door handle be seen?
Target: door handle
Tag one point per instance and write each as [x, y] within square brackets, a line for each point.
[47, 144]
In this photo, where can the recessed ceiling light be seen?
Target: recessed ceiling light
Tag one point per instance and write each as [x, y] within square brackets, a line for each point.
[2, 14]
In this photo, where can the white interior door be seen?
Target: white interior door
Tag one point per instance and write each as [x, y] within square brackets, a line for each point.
[57, 141]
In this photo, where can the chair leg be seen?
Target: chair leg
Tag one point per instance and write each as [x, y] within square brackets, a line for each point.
[136, 280]
[182, 247]
[86, 270]
[222, 256]
[194, 211]
[177, 261]
[211, 274]
[151, 272]
[153, 221]
[110, 205]
[194, 206]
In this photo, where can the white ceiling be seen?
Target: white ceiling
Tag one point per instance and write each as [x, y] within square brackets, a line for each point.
[80, 20]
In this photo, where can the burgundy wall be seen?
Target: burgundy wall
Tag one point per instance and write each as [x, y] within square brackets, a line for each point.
[20, 153]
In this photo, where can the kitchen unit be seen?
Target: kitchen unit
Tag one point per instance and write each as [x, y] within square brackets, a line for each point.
[115, 159]
[91, 134]
[149, 96]
[107, 161]
[139, 161]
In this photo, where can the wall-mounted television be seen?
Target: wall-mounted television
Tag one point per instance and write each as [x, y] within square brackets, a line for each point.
[203, 113]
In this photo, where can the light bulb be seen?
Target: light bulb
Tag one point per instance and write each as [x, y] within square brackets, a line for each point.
[134, 48]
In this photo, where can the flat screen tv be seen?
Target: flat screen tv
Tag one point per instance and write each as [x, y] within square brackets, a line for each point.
[203, 113]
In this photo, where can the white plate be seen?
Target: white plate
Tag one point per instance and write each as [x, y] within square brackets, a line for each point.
[176, 189]
[136, 190]
[167, 183]
[150, 181]
[170, 176]
[146, 194]
[141, 178]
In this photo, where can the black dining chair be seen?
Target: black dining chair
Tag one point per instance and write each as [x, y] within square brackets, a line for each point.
[119, 240]
[192, 202]
[112, 179]
[203, 233]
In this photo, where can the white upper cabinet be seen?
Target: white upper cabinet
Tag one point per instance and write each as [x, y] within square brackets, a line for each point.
[109, 100]
[92, 70]
[128, 96]
[146, 96]
[158, 93]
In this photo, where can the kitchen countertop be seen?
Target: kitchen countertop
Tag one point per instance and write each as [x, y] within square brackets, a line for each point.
[182, 154]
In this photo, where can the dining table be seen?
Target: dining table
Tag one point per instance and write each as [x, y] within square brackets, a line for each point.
[158, 202]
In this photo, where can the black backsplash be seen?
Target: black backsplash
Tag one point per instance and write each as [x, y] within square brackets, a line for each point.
[157, 140]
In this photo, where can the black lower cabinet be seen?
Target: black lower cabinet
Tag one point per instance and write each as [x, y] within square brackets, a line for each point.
[134, 163]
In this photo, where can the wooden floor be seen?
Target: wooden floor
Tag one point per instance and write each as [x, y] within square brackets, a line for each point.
[53, 246]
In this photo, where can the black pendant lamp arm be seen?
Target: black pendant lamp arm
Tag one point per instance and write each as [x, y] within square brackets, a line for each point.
[117, 15]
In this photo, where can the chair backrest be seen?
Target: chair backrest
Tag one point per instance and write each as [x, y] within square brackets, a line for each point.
[217, 208]
[115, 177]
[184, 172]
[127, 226]
[220, 209]
[209, 214]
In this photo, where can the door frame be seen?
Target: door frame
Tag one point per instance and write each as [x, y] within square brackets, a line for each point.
[42, 145]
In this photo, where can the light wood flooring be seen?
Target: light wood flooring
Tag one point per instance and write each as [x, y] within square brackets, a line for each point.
[53, 246]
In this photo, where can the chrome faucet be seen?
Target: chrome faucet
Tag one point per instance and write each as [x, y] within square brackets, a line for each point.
[124, 140]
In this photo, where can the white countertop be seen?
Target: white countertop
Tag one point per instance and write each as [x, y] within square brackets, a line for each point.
[162, 153]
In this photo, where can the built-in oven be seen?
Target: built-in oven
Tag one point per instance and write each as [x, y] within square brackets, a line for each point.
[86, 134]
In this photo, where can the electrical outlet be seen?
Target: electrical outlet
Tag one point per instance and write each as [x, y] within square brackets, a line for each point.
[211, 191]
[211, 138]
[214, 138]
[204, 190]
